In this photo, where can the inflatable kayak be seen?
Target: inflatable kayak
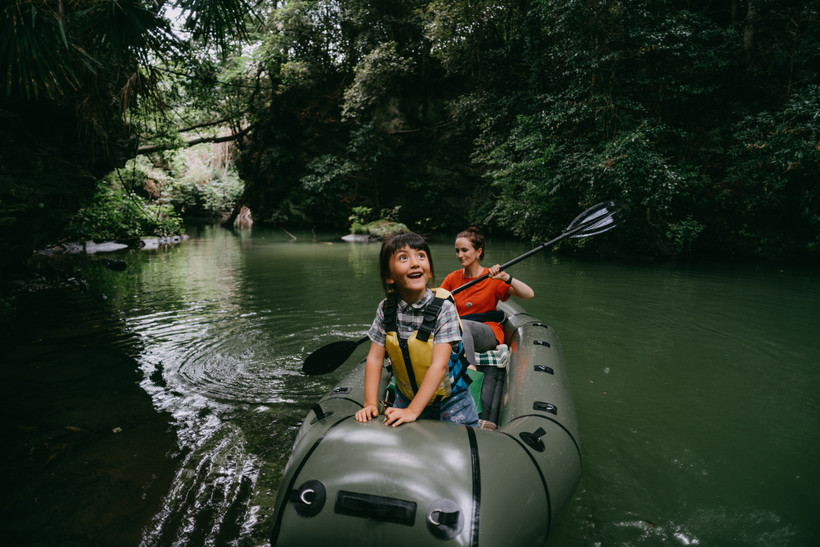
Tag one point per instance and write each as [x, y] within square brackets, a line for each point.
[437, 483]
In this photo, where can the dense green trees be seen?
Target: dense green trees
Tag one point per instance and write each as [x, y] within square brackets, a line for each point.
[358, 117]
[511, 114]
[83, 83]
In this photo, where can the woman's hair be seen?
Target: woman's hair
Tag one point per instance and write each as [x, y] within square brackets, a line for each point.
[393, 243]
[476, 238]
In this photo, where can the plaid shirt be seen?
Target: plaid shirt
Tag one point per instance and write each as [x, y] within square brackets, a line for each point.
[410, 316]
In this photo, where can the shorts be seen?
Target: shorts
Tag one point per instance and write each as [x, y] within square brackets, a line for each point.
[458, 408]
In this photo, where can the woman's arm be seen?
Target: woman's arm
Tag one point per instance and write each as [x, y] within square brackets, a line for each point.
[372, 375]
[429, 385]
[517, 287]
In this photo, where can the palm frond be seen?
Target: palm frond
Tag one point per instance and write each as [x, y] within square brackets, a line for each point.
[217, 20]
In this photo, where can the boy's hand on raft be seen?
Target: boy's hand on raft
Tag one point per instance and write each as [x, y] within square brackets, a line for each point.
[398, 416]
[369, 411]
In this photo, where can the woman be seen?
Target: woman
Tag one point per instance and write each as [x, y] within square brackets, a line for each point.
[482, 297]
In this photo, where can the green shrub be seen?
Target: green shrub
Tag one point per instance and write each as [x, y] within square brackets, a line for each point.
[201, 185]
[360, 217]
[118, 214]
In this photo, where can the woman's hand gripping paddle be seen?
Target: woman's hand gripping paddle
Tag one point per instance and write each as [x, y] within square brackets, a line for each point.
[595, 220]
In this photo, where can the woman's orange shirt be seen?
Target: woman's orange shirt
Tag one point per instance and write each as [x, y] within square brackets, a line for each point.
[481, 297]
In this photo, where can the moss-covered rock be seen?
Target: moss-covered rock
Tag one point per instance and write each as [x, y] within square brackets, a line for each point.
[381, 228]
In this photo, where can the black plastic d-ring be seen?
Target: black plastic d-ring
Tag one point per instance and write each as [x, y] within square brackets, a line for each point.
[445, 519]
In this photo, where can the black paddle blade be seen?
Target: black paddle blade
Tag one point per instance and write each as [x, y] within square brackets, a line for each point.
[597, 219]
[330, 357]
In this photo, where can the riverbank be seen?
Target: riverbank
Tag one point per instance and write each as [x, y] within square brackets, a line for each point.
[58, 266]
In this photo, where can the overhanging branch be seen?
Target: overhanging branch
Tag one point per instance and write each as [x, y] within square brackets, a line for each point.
[151, 148]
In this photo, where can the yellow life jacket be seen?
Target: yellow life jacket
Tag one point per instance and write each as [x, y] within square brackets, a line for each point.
[413, 356]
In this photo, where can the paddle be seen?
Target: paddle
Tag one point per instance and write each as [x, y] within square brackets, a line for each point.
[330, 357]
[595, 220]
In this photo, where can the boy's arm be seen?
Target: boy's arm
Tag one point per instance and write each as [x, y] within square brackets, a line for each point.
[372, 376]
[429, 385]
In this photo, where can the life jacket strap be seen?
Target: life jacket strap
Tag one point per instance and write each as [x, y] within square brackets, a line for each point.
[411, 374]
[495, 316]
[390, 313]
[430, 318]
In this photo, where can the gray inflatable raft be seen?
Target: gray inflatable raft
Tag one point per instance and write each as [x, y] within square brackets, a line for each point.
[437, 483]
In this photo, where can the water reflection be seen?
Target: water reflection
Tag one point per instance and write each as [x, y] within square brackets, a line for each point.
[696, 388]
[678, 375]
[226, 323]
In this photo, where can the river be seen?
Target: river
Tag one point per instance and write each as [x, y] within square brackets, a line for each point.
[158, 405]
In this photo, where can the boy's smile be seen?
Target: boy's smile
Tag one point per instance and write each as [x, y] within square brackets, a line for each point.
[410, 272]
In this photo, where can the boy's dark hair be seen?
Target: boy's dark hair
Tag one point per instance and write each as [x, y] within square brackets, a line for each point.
[393, 243]
[476, 238]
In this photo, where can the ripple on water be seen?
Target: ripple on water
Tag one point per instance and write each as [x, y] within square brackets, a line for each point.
[250, 358]
[224, 377]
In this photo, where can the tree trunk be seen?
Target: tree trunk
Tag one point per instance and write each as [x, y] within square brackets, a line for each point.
[749, 32]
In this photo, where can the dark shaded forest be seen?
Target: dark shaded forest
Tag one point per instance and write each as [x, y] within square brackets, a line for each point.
[701, 116]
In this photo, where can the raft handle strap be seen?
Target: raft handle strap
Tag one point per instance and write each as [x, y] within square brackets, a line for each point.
[541, 406]
[320, 414]
[533, 439]
[317, 410]
[442, 518]
[376, 507]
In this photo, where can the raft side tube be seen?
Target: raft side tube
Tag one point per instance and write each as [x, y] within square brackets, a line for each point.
[537, 379]
[384, 486]
[343, 400]
[554, 453]
[513, 489]
[538, 410]
[335, 407]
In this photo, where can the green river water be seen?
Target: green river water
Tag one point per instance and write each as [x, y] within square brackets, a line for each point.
[158, 406]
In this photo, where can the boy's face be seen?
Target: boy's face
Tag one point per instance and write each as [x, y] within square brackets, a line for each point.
[409, 273]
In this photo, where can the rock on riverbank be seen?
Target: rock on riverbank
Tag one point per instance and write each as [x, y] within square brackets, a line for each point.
[92, 247]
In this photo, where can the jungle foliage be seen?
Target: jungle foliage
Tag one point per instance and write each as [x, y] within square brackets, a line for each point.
[154, 198]
[701, 116]
[511, 114]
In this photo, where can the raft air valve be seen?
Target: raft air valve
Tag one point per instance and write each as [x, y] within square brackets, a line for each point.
[309, 498]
